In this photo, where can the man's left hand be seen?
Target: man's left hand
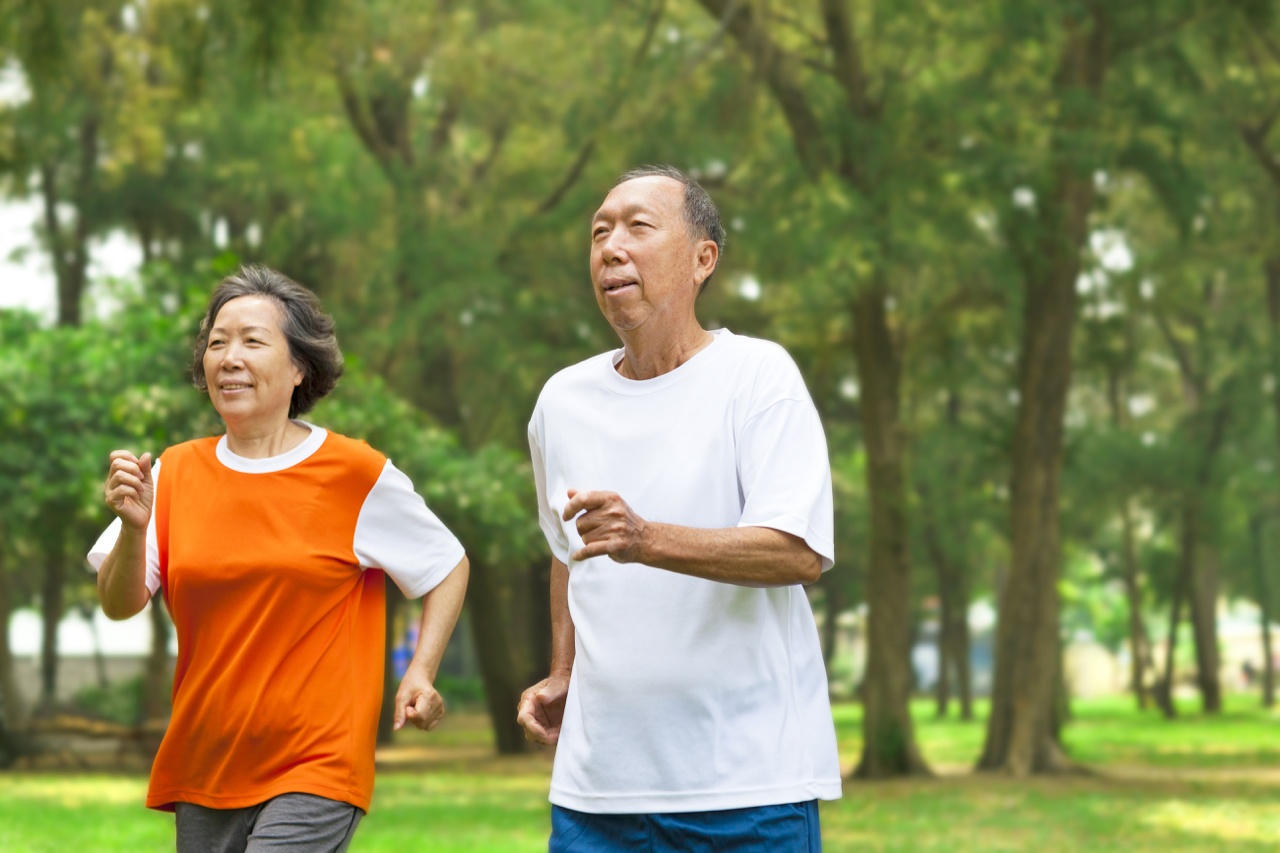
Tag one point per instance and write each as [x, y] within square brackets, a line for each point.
[607, 525]
[418, 702]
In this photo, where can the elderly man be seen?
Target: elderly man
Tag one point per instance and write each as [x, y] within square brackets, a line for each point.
[685, 492]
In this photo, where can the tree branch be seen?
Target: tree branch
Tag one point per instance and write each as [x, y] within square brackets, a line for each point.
[570, 178]
[651, 28]
[806, 132]
[361, 121]
[449, 113]
[1180, 353]
[848, 57]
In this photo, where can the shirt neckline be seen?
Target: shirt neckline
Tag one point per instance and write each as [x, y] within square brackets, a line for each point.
[272, 464]
[618, 383]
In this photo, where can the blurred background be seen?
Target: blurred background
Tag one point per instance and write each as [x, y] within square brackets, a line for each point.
[1026, 255]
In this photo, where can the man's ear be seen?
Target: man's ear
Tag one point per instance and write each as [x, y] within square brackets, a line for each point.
[707, 255]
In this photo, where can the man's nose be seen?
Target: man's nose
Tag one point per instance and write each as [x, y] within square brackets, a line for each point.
[612, 249]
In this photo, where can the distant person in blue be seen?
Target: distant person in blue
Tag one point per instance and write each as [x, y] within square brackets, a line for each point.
[685, 493]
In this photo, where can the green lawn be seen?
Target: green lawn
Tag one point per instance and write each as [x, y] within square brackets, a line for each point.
[1197, 784]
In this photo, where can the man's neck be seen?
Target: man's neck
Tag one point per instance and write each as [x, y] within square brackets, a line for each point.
[647, 356]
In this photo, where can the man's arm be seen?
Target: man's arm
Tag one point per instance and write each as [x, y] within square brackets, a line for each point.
[541, 707]
[417, 701]
[748, 556]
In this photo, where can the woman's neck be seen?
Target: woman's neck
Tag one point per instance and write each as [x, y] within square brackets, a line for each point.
[258, 442]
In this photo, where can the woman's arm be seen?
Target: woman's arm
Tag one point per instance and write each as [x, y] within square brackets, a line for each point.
[417, 701]
[122, 578]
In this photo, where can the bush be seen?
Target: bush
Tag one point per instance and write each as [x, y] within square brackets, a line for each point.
[120, 702]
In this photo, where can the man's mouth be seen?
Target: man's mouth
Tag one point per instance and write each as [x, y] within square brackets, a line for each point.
[615, 285]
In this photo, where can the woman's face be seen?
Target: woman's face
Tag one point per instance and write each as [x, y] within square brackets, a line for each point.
[247, 365]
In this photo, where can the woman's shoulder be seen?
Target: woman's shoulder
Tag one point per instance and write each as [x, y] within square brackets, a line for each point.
[205, 444]
[356, 451]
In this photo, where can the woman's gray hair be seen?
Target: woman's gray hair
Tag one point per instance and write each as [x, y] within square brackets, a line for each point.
[313, 346]
[700, 212]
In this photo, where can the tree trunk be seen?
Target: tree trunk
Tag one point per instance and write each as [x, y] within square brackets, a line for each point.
[953, 627]
[889, 743]
[1204, 623]
[1139, 643]
[157, 683]
[51, 608]
[953, 591]
[1262, 591]
[833, 606]
[1164, 690]
[963, 655]
[1020, 733]
[1273, 313]
[11, 705]
[69, 248]
[498, 668]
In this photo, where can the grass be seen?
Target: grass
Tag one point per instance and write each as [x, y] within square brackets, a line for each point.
[1195, 784]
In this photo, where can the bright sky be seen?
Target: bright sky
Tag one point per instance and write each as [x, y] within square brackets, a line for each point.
[26, 276]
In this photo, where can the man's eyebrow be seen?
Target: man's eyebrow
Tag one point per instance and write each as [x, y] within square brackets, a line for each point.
[630, 209]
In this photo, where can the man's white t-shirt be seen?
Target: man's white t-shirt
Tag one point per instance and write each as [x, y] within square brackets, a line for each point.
[689, 694]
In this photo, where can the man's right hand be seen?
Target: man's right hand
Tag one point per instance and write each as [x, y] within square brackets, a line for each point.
[129, 491]
[542, 709]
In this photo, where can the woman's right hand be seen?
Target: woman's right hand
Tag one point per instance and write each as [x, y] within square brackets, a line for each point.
[129, 490]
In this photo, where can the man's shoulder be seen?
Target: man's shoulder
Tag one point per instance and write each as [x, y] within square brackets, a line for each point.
[576, 376]
[757, 359]
[759, 349]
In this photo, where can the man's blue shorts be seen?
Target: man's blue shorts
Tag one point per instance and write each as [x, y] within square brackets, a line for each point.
[790, 828]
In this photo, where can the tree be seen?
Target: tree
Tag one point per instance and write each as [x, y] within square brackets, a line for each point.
[1045, 218]
[847, 115]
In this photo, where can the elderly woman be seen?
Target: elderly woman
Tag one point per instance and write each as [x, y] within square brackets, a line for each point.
[269, 544]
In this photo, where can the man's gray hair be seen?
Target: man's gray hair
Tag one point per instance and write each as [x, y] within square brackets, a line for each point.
[700, 212]
[313, 346]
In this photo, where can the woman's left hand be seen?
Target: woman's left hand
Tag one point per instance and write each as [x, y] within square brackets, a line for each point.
[418, 702]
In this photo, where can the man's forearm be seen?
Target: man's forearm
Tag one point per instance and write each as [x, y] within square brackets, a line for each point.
[748, 556]
[562, 632]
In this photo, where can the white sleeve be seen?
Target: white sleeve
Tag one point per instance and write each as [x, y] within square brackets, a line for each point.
[786, 475]
[397, 533]
[107, 541]
[548, 519]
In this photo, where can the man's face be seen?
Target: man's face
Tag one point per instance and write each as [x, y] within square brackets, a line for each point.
[644, 265]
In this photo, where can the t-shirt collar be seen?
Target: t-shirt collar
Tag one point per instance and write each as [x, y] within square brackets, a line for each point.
[271, 464]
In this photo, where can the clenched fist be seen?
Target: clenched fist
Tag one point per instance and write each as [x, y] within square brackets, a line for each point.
[129, 490]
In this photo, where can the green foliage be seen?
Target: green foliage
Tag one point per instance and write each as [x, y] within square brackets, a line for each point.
[429, 170]
[120, 702]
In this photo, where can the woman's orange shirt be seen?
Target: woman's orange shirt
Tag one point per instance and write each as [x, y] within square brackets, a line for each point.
[279, 674]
